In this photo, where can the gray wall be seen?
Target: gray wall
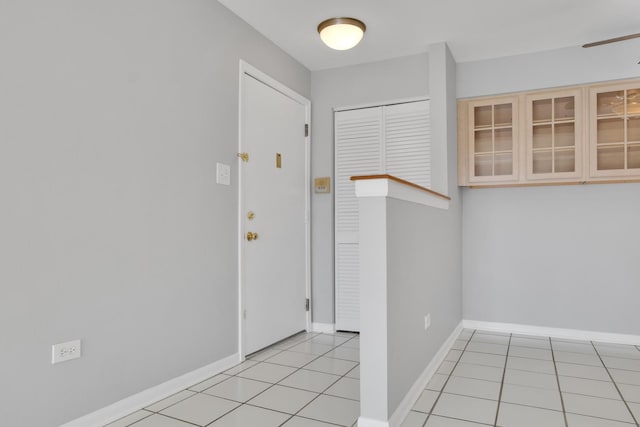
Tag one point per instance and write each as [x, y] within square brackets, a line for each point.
[112, 228]
[424, 274]
[560, 67]
[561, 256]
[398, 78]
[425, 250]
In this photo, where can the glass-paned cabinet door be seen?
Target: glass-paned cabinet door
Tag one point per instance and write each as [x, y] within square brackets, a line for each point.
[492, 136]
[615, 133]
[554, 135]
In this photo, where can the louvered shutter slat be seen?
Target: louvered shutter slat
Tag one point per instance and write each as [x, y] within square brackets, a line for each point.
[393, 139]
[408, 142]
[358, 136]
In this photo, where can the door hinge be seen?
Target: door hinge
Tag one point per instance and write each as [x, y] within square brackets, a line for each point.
[307, 304]
[306, 129]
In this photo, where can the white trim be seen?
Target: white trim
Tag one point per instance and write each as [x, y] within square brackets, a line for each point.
[414, 392]
[248, 69]
[401, 412]
[240, 219]
[151, 395]
[307, 212]
[368, 422]
[325, 328]
[384, 187]
[574, 334]
[382, 104]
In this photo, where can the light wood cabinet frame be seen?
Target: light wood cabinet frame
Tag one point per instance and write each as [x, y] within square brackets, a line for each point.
[584, 125]
[627, 142]
[553, 123]
[467, 129]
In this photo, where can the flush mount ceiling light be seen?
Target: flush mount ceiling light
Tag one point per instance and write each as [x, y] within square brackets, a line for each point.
[341, 33]
[617, 104]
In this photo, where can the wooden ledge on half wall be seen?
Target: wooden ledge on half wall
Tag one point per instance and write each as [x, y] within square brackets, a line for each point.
[400, 181]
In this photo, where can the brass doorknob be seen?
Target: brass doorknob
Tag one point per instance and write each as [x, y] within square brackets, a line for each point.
[252, 236]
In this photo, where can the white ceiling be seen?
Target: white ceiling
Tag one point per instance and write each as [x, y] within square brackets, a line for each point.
[474, 29]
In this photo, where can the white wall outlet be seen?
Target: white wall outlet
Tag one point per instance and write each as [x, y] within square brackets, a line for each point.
[65, 351]
[223, 174]
[427, 321]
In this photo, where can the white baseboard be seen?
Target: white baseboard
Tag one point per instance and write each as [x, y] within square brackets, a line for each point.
[368, 422]
[414, 392]
[325, 328]
[147, 397]
[574, 334]
[410, 398]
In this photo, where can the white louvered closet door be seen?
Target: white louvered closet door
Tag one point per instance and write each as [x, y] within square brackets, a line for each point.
[358, 151]
[407, 142]
[391, 139]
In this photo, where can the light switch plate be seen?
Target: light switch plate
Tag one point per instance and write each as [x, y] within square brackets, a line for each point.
[223, 174]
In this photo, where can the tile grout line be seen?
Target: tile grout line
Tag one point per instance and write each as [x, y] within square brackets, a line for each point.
[173, 404]
[296, 370]
[173, 418]
[555, 369]
[281, 342]
[474, 423]
[448, 377]
[146, 416]
[556, 375]
[137, 421]
[504, 373]
[266, 382]
[278, 382]
[615, 385]
[230, 400]
[328, 387]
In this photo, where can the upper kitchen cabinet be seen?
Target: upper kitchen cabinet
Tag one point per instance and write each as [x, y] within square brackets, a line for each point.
[615, 131]
[488, 140]
[584, 134]
[554, 132]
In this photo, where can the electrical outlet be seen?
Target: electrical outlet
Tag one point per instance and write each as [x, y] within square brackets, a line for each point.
[65, 351]
[223, 174]
[427, 321]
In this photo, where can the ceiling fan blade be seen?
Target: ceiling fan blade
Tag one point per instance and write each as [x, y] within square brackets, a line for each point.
[613, 40]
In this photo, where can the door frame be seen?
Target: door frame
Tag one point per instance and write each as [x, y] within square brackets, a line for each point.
[255, 73]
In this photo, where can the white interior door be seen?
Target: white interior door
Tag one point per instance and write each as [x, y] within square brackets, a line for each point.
[274, 193]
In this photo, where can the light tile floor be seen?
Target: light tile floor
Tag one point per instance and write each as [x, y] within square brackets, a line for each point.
[487, 379]
[507, 380]
[308, 380]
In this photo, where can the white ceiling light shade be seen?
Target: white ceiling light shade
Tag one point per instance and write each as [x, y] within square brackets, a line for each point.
[341, 33]
[632, 103]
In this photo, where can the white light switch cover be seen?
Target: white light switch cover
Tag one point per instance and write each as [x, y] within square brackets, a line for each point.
[223, 174]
